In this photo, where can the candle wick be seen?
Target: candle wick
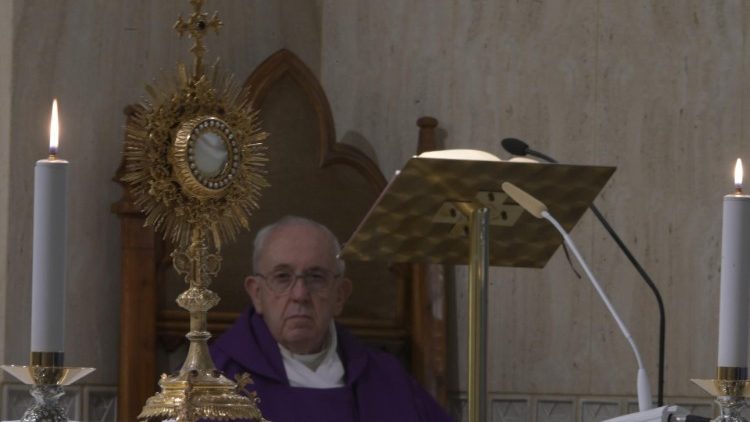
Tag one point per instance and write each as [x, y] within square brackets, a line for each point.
[738, 189]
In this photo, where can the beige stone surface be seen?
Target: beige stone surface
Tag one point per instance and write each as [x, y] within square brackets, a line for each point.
[656, 88]
[669, 87]
[6, 49]
[96, 57]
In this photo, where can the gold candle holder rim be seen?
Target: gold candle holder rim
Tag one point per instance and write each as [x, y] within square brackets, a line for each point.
[731, 373]
[730, 382]
[47, 359]
[47, 375]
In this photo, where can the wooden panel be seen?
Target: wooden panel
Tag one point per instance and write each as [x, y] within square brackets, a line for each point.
[139, 254]
[312, 176]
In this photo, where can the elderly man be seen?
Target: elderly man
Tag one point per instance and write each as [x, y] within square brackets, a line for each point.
[304, 366]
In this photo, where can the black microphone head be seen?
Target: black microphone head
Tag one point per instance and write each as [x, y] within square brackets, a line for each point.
[515, 146]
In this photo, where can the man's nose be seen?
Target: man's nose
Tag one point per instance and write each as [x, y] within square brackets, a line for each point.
[299, 289]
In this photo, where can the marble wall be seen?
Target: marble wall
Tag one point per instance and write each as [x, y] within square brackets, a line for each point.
[6, 48]
[95, 56]
[656, 88]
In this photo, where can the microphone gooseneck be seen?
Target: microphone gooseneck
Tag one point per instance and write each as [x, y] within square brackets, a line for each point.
[521, 148]
[515, 146]
[518, 147]
[540, 155]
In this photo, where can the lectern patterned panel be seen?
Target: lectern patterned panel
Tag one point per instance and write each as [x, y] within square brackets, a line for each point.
[406, 223]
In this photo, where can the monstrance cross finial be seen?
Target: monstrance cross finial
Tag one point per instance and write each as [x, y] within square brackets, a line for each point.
[196, 26]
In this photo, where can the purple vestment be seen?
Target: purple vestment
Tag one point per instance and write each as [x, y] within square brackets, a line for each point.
[377, 388]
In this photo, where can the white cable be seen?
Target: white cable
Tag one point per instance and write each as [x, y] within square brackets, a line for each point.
[644, 387]
[538, 209]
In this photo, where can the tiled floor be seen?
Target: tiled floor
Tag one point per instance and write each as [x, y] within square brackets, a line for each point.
[509, 410]
[99, 404]
[566, 409]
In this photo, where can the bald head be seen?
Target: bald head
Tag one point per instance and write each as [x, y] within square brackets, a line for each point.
[261, 238]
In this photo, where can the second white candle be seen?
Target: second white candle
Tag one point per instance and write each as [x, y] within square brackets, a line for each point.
[49, 271]
[735, 280]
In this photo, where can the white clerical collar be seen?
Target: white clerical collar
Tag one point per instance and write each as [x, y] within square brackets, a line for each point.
[316, 370]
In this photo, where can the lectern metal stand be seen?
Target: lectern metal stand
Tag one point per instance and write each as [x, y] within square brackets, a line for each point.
[455, 212]
[479, 247]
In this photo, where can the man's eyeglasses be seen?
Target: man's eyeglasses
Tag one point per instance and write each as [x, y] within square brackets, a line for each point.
[316, 281]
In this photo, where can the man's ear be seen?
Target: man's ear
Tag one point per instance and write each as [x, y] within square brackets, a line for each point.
[344, 290]
[253, 289]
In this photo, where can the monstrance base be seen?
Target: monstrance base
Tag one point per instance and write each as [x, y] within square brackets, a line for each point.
[194, 395]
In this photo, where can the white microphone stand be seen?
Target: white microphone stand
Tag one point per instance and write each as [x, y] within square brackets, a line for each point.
[539, 210]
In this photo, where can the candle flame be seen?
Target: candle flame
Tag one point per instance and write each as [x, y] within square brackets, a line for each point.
[738, 174]
[54, 130]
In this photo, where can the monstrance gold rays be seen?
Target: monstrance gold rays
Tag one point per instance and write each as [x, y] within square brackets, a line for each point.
[159, 169]
[195, 166]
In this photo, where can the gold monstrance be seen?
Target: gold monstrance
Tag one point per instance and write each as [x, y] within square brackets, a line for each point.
[194, 160]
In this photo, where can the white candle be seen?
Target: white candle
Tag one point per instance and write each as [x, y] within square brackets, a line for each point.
[735, 277]
[48, 271]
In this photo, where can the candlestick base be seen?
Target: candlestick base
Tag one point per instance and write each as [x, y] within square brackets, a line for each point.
[730, 409]
[731, 395]
[47, 386]
[46, 407]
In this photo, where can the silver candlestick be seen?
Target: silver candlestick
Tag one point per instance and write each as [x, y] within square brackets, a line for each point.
[731, 389]
[47, 376]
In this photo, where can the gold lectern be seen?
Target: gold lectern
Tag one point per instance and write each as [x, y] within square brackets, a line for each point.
[454, 211]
